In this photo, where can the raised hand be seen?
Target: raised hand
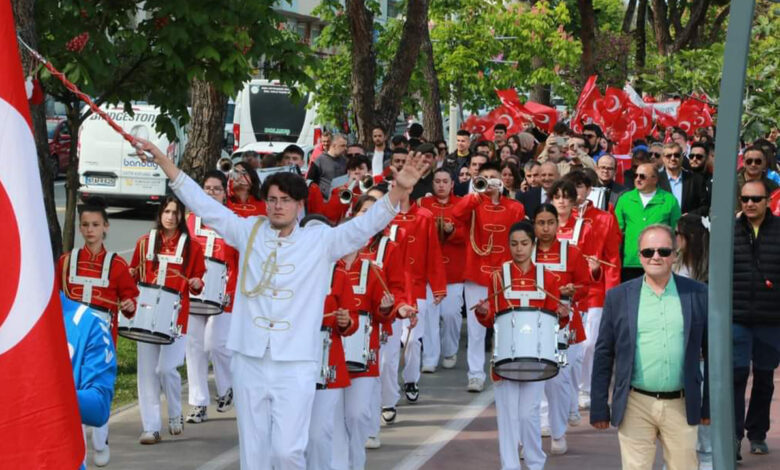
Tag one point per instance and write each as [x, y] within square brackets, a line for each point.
[413, 169]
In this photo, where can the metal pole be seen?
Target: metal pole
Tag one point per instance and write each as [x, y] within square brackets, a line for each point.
[732, 88]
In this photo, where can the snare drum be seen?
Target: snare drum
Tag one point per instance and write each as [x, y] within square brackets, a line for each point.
[357, 347]
[155, 316]
[211, 299]
[327, 373]
[525, 345]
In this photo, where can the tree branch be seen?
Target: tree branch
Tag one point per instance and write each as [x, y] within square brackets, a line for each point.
[663, 38]
[628, 19]
[717, 25]
[361, 28]
[698, 14]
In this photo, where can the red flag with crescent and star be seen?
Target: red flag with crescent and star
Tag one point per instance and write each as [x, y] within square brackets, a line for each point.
[39, 418]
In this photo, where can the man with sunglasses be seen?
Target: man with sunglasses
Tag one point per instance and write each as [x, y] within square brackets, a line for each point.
[756, 320]
[640, 207]
[754, 168]
[688, 188]
[592, 133]
[653, 332]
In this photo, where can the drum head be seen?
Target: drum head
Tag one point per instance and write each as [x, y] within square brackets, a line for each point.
[144, 336]
[204, 307]
[526, 370]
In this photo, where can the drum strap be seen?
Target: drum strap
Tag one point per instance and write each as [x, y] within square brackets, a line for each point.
[380, 251]
[577, 229]
[360, 289]
[164, 260]
[88, 282]
[393, 232]
[332, 272]
[211, 237]
[522, 295]
[560, 266]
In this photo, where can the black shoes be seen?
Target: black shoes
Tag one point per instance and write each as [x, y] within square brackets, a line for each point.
[412, 392]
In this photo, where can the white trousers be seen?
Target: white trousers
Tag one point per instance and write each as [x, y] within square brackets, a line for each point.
[206, 338]
[451, 320]
[389, 360]
[413, 350]
[100, 437]
[359, 411]
[157, 370]
[327, 432]
[555, 407]
[273, 408]
[575, 375]
[432, 332]
[592, 324]
[475, 350]
[517, 414]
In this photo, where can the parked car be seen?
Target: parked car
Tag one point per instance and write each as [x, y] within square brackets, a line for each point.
[59, 145]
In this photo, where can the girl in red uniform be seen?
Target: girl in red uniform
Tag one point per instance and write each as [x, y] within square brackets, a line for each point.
[207, 334]
[244, 191]
[166, 257]
[575, 278]
[93, 276]
[517, 403]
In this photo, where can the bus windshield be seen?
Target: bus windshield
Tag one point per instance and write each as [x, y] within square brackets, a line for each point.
[275, 117]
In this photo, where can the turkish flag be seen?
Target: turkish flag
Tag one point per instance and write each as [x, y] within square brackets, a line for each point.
[774, 202]
[586, 111]
[544, 117]
[612, 105]
[511, 116]
[39, 418]
[480, 125]
[509, 97]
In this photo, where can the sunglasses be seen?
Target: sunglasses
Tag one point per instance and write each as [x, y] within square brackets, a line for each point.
[697, 156]
[754, 161]
[755, 199]
[650, 252]
[673, 155]
[655, 154]
[640, 176]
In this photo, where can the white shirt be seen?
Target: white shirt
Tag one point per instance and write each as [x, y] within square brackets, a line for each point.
[646, 198]
[286, 315]
[378, 162]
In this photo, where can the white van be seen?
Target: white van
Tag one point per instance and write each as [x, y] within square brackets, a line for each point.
[106, 166]
[266, 115]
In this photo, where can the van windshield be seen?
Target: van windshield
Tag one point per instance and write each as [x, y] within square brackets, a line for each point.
[275, 117]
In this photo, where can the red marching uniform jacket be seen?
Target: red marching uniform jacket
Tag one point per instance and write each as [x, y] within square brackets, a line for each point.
[251, 207]
[487, 226]
[569, 266]
[219, 250]
[453, 244]
[598, 235]
[520, 282]
[340, 296]
[367, 281]
[114, 282]
[177, 274]
[423, 253]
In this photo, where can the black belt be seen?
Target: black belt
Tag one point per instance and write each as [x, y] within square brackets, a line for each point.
[661, 395]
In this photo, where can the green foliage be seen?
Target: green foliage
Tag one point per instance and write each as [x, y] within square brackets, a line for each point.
[481, 46]
[150, 50]
[700, 70]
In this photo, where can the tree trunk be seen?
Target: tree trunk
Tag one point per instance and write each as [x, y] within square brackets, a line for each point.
[204, 144]
[640, 39]
[72, 178]
[663, 38]
[432, 122]
[539, 93]
[24, 15]
[361, 28]
[628, 19]
[588, 37]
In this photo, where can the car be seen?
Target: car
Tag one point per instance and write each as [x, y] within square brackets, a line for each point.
[59, 145]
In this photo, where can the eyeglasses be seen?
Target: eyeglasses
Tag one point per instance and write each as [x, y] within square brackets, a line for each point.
[697, 156]
[755, 199]
[655, 154]
[673, 155]
[754, 161]
[213, 189]
[650, 252]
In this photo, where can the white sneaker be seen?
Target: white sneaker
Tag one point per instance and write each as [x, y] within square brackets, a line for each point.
[149, 437]
[584, 401]
[101, 457]
[476, 385]
[175, 425]
[574, 419]
[546, 431]
[558, 446]
[428, 369]
[373, 442]
[449, 361]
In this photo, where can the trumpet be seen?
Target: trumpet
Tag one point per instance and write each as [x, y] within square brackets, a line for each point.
[480, 184]
[364, 184]
[225, 165]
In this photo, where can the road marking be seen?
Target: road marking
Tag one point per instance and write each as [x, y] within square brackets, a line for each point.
[436, 442]
[222, 461]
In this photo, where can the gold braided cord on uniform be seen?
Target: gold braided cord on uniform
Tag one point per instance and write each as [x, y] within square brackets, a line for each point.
[65, 266]
[142, 260]
[499, 287]
[255, 291]
[474, 246]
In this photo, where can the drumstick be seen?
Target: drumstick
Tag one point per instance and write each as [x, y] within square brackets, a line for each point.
[495, 294]
[605, 263]
[379, 276]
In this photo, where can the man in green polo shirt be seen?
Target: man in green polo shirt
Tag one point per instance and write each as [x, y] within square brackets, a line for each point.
[641, 207]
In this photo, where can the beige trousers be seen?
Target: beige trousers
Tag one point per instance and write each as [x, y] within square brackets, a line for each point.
[648, 418]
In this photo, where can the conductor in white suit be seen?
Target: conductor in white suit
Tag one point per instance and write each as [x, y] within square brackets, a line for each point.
[283, 280]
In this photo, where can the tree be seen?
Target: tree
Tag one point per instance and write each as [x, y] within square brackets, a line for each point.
[152, 50]
[25, 25]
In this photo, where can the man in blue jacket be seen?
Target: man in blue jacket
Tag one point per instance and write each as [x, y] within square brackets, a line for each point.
[653, 332]
[93, 358]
